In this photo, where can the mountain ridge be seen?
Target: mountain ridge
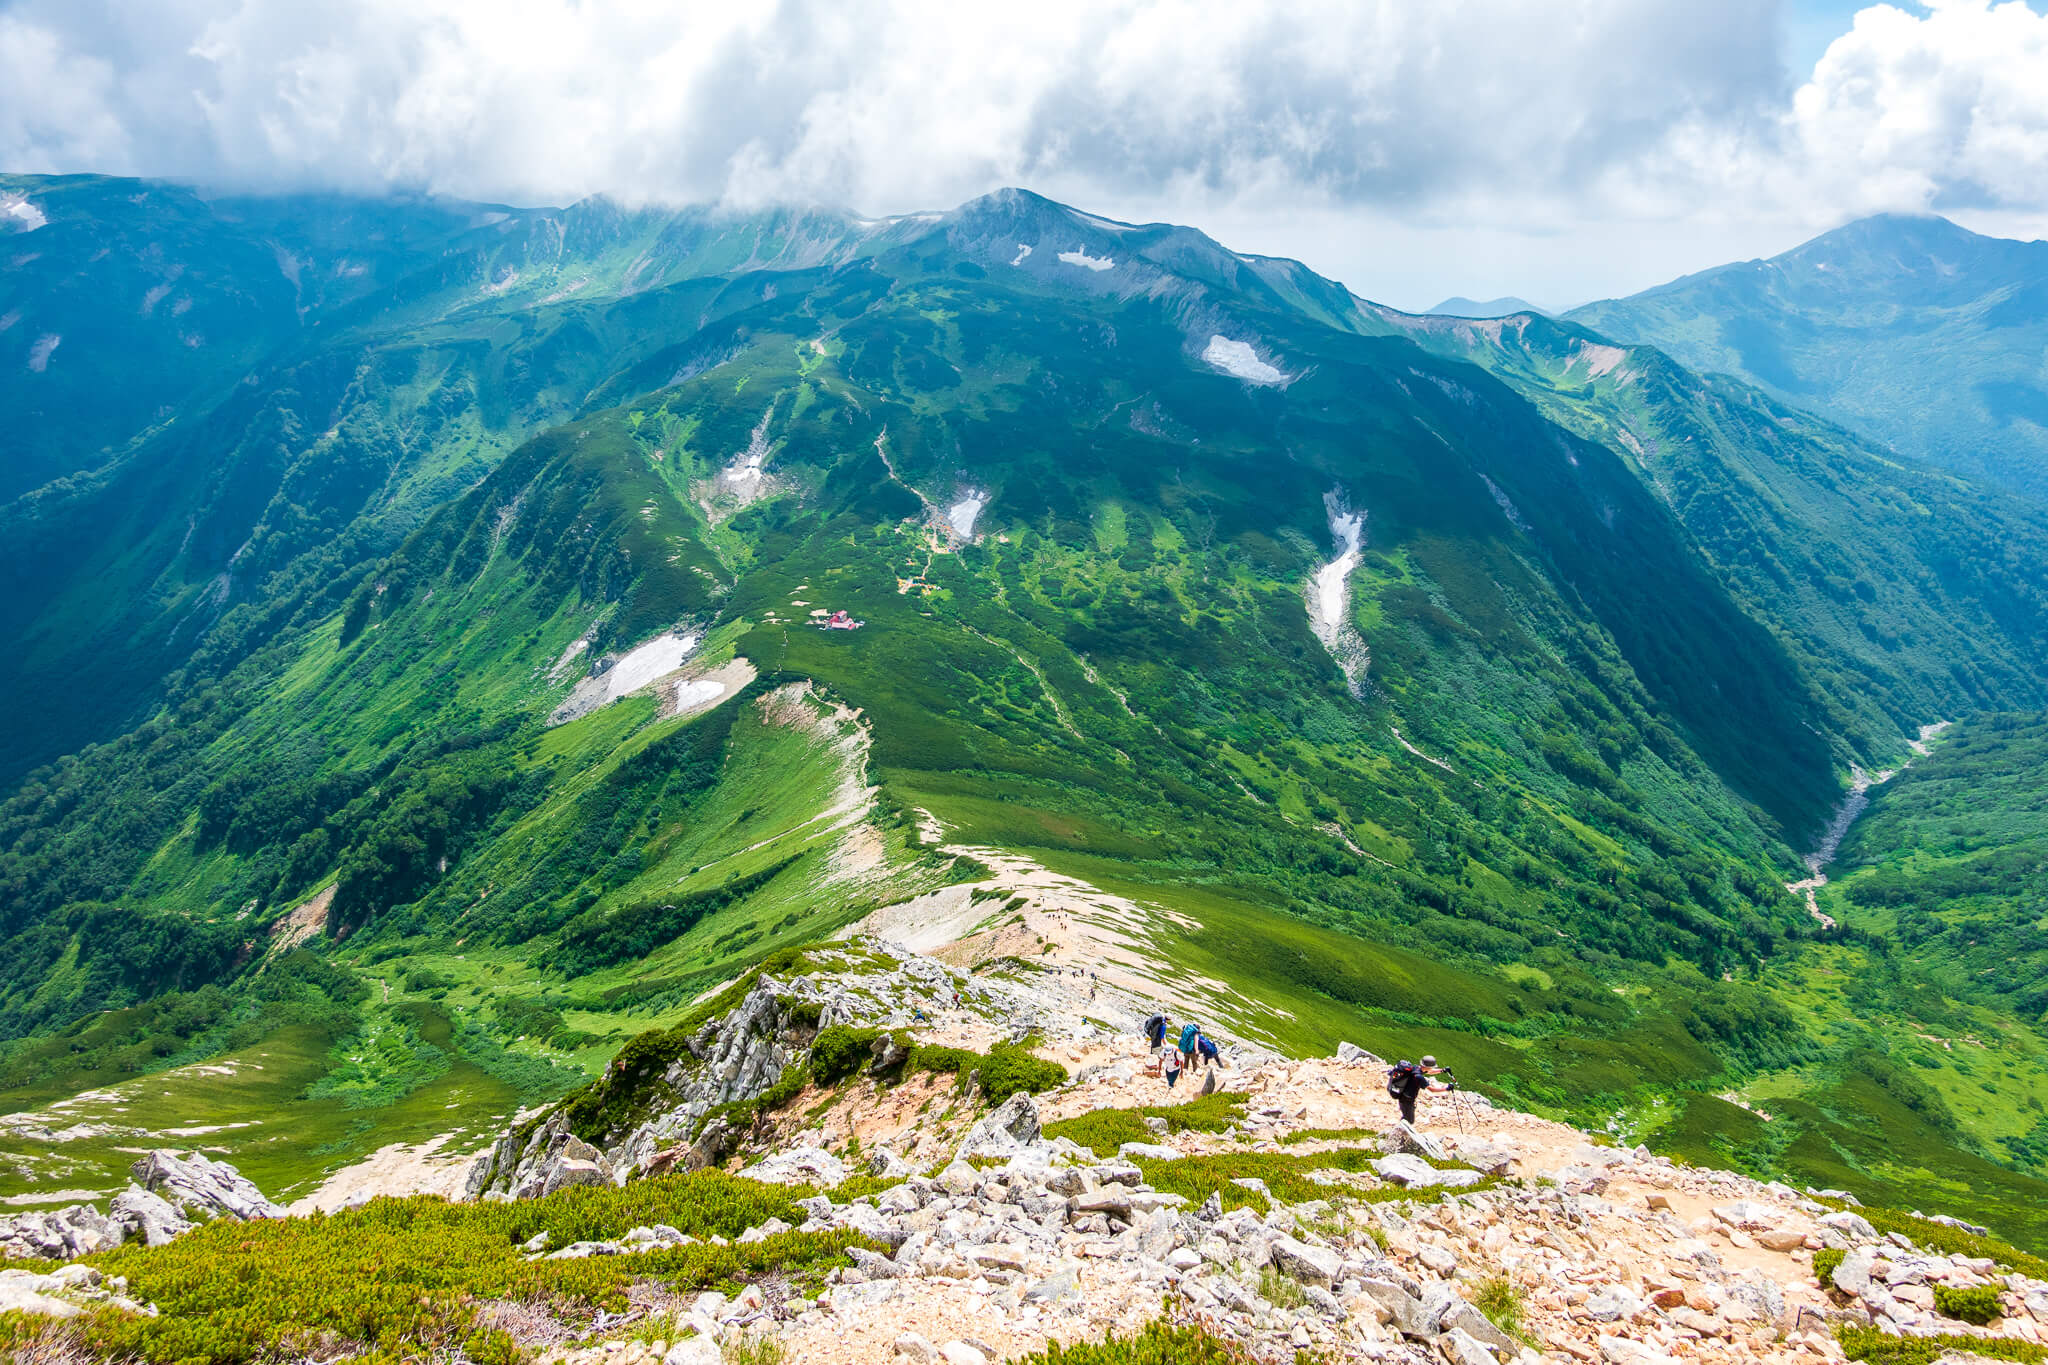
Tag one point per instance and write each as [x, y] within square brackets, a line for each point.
[1614, 633]
[1910, 329]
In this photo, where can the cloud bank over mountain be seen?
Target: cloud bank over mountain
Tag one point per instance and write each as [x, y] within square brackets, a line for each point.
[1330, 130]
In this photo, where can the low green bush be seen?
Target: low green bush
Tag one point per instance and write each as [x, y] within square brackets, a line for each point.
[1881, 1348]
[1105, 1130]
[1978, 1304]
[1158, 1343]
[1502, 1304]
[401, 1277]
[1007, 1071]
[1824, 1262]
[1950, 1240]
[839, 1051]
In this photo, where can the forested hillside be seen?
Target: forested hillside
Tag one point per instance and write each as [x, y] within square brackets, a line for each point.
[448, 699]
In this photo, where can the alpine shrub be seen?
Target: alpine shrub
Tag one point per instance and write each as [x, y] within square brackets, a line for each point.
[1978, 1304]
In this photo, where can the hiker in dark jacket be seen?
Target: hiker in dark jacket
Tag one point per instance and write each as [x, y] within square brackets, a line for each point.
[1210, 1054]
[1408, 1080]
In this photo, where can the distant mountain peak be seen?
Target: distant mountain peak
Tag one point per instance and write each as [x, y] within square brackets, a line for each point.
[1458, 306]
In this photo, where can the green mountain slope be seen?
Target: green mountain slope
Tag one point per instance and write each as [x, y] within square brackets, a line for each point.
[1914, 331]
[463, 706]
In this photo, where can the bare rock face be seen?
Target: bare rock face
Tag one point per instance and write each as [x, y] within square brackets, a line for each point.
[1008, 1129]
[148, 1216]
[76, 1231]
[1404, 1138]
[551, 1158]
[198, 1187]
[172, 1193]
[798, 1166]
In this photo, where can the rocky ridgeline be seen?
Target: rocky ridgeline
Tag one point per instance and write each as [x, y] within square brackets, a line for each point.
[1006, 1240]
[1482, 1237]
[728, 1060]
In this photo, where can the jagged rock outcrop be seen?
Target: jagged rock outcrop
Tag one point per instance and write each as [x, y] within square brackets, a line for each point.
[678, 1117]
[1012, 1126]
[202, 1189]
[147, 1215]
[79, 1230]
[547, 1158]
[172, 1193]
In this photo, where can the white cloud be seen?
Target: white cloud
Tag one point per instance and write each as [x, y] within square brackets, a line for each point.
[1563, 145]
[1939, 108]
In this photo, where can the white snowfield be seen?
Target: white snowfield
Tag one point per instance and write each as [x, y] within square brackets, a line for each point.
[696, 692]
[642, 665]
[1239, 359]
[1333, 579]
[1023, 251]
[18, 208]
[962, 515]
[1087, 262]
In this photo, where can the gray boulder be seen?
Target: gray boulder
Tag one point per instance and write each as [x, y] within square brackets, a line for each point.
[1309, 1264]
[798, 1166]
[1459, 1347]
[1463, 1317]
[1412, 1172]
[201, 1188]
[23, 1291]
[889, 1166]
[1004, 1131]
[1852, 1276]
[1404, 1138]
[148, 1216]
[1404, 1311]
[1850, 1224]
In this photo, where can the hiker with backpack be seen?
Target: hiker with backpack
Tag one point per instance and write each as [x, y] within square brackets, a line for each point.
[1155, 1036]
[1407, 1080]
[1210, 1054]
[1189, 1036]
[1169, 1064]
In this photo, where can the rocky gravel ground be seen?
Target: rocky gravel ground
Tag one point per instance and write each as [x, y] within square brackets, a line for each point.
[1481, 1236]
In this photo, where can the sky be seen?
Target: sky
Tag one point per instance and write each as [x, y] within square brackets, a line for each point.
[1558, 151]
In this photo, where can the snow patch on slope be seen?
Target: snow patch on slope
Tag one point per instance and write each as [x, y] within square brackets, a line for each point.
[1023, 251]
[962, 515]
[39, 354]
[1329, 591]
[1239, 359]
[1087, 262]
[635, 669]
[20, 213]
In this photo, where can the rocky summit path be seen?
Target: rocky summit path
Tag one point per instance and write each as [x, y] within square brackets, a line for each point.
[1001, 1240]
[1363, 1240]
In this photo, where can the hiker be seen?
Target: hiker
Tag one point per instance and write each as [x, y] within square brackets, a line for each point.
[1170, 1065]
[1188, 1035]
[1155, 1031]
[1408, 1080]
[1211, 1055]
